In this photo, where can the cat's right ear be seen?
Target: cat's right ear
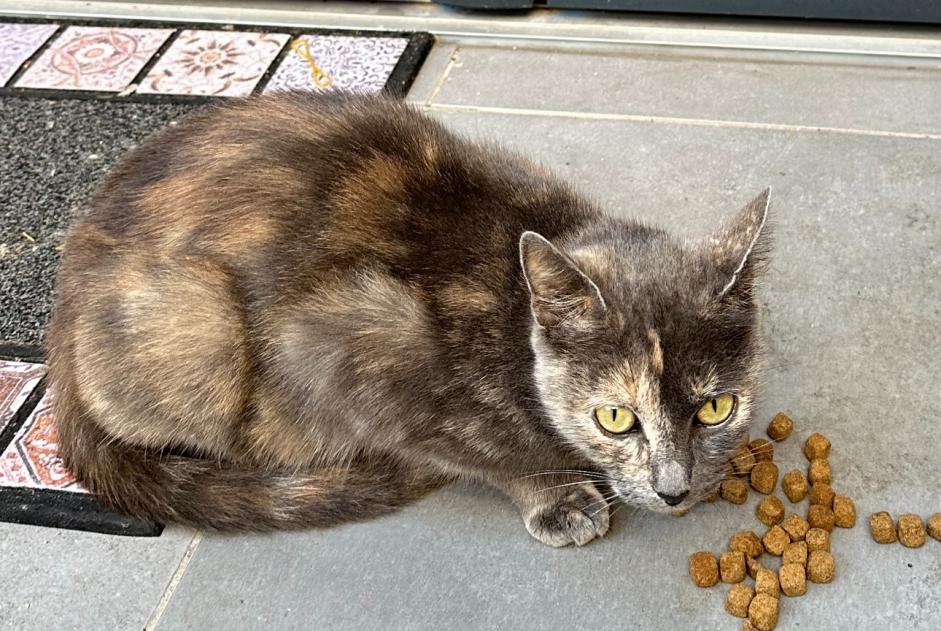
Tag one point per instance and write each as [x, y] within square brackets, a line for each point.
[561, 294]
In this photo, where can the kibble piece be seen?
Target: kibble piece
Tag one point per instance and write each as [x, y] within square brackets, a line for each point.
[770, 511]
[780, 426]
[819, 471]
[795, 485]
[775, 540]
[732, 566]
[713, 496]
[742, 461]
[820, 517]
[762, 450]
[821, 493]
[747, 543]
[764, 477]
[766, 582]
[793, 579]
[763, 612]
[819, 539]
[882, 528]
[795, 526]
[795, 552]
[911, 531]
[747, 625]
[844, 511]
[816, 447]
[752, 566]
[820, 567]
[704, 568]
[934, 526]
[734, 490]
[738, 599]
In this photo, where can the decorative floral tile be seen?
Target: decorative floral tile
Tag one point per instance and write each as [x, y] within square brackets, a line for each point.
[17, 381]
[214, 63]
[94, 58]
[18, 42]
[32, 458]
[361, 64]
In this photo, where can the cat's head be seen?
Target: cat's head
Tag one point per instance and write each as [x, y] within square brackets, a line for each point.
[648, 350]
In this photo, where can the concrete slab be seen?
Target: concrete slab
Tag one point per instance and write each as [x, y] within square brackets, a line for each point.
[851, 314]
[63, 580]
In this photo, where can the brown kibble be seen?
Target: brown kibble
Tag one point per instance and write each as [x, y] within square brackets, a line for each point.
[747, 543]
[738, 599]
[816, 447]
[819, 471]
[844, 511]
[752, 566]
[819, 539]
[770, 511]
[820, 567]
[793, 579]
[764, 477]
[795, 485]
[762, 450]
[732, 566]
[821, 493]
[795, 552]
[882, 528]
[747, 625]
[763, 612]
[704, 568]
[713, 496]
[795, 526]
[742, 461]
[734, 490]
[934, 526]
[766, 582]
[820, 517]
[775, 540]
[911, 531]
[780, 426]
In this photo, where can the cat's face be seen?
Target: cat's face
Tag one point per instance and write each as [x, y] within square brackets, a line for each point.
[647, 351]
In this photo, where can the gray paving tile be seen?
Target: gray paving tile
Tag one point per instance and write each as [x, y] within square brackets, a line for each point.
[852, 314]
[785, 88]
[63, 580]
[432, 71]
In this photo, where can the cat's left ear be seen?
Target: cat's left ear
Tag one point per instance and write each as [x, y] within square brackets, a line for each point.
[739, 247]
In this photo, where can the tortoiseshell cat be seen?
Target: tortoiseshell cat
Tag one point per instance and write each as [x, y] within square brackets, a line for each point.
[297, 310]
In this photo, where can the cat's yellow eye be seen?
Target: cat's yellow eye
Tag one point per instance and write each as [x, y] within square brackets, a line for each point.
[714, 411]
[616, 420]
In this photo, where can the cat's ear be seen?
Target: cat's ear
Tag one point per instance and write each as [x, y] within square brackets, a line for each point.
[739, 247]
[561, 294]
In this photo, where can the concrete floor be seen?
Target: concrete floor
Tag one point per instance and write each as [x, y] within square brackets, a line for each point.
[851, 144]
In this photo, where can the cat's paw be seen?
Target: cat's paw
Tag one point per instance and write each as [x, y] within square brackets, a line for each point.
[577, 517]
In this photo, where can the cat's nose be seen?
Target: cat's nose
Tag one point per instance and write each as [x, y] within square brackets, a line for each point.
[673, 500]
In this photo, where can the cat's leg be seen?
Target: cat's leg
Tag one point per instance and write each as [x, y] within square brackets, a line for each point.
[559, 509]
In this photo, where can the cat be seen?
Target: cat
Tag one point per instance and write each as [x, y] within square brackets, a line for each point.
[300, 310]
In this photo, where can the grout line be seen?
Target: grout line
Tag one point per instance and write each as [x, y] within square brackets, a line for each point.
[174, 582]
[444, 76]
[697, 122]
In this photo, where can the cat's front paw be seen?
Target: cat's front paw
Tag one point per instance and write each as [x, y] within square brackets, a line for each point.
[576, 517]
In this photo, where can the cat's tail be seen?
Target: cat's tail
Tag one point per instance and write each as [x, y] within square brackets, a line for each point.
[209, 494]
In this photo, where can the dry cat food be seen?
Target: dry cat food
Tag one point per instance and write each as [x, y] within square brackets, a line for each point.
[746, 542]
[882, 528]
[762, 450]
[763, 612]
[738, 599]
[795, 485]
[766, 582]
[770, 511]
[734, 490]
[793, 579]
[911, 531]
[764, 477]
[795, 552]
[819, 471]
[704, 568]
[821, 493]
[753, 567]
[817, 447]
[732, 567]
[780, 427]
[819, 539]
[775, 540]
[934, 526]
[820, 567]
[820, 517]
[844, 511]
[743, 461]
[795, 526]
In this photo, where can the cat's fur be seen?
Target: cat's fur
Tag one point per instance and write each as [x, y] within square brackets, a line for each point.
[299, 310]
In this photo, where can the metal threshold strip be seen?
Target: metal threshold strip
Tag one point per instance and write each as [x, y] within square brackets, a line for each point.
[538, 25]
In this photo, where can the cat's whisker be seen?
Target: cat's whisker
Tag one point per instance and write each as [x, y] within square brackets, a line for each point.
[559, 486]
[607, 500]
[589, 474]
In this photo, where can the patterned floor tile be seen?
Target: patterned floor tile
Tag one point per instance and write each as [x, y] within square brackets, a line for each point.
[17, 381]
[32, 458]
[94, 58]
[214, 63]
[17, 44]
[361, 64]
